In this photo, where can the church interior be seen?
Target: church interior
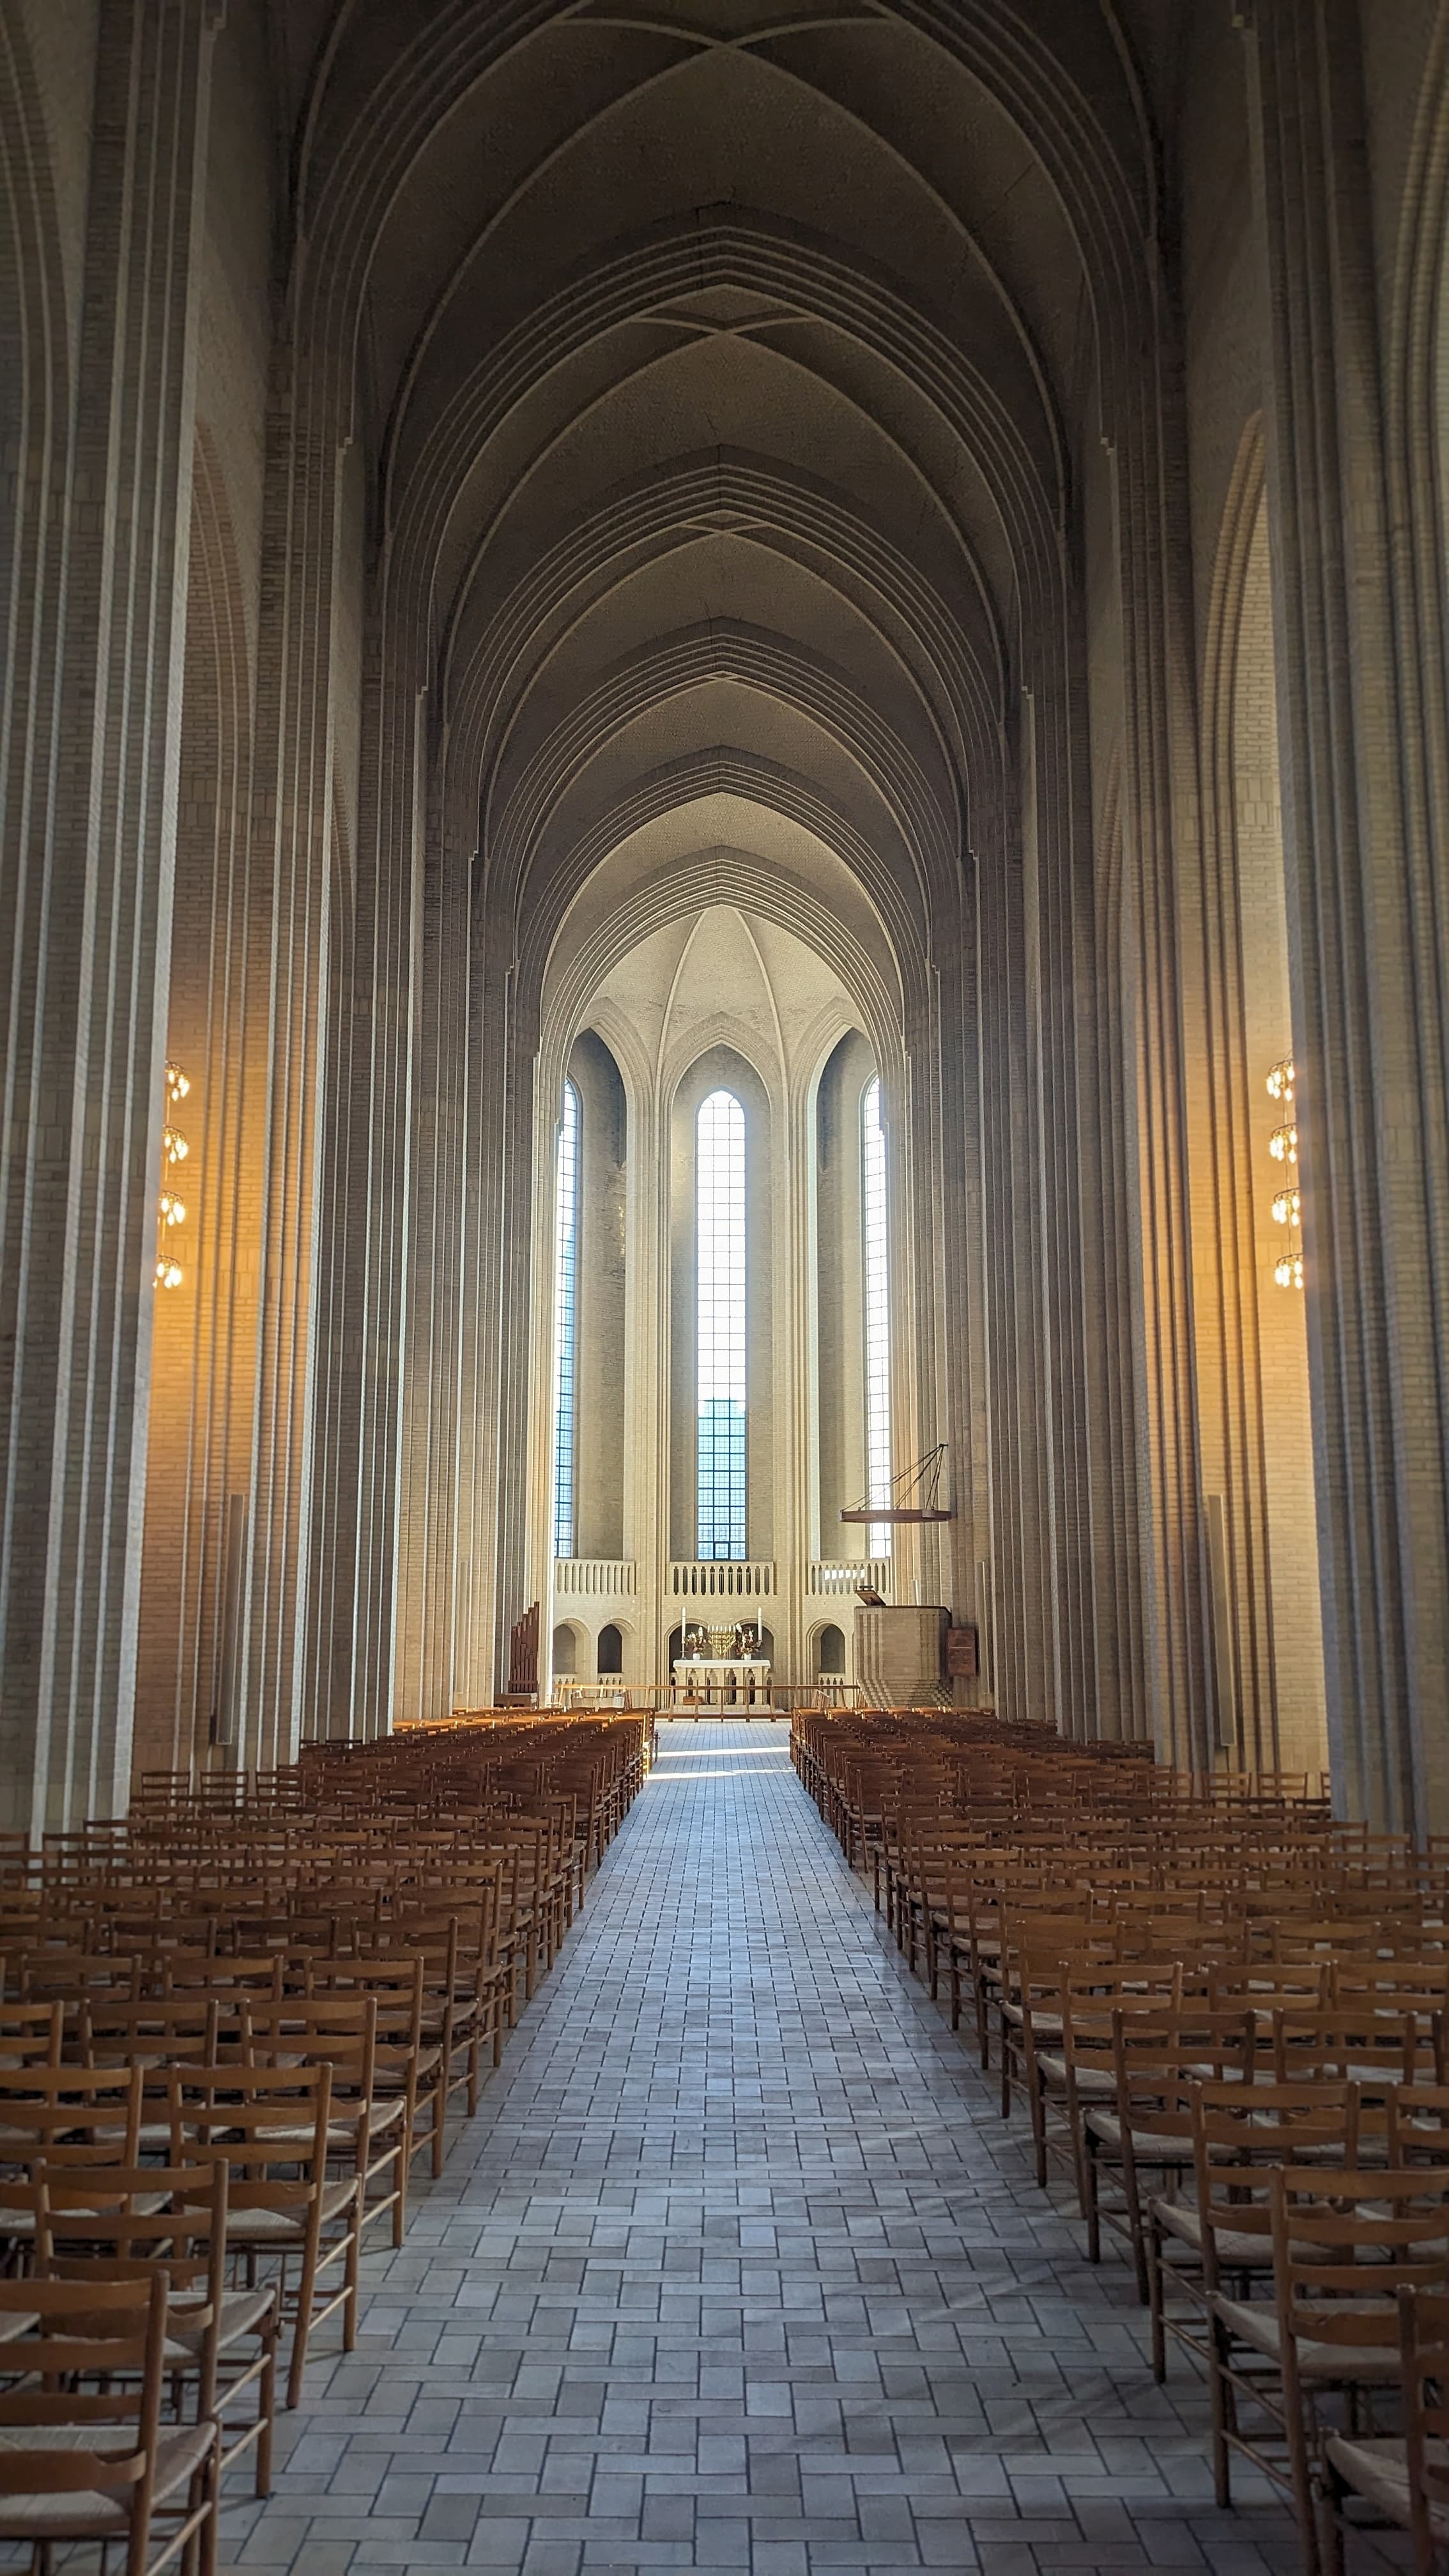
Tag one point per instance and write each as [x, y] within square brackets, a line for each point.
[724, 1284]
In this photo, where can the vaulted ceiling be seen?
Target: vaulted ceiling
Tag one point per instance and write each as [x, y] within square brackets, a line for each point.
[720, 366]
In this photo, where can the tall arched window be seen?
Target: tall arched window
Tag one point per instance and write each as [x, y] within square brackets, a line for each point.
[720, 1329]
[875, 1251]
[565, 1321]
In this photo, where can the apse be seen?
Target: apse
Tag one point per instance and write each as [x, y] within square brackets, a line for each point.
[726, 1238]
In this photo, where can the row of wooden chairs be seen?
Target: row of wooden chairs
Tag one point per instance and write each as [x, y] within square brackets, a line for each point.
[230, 2029]
[1228, 2031]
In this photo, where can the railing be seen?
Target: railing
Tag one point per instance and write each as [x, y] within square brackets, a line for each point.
[592, 1578]
[723, 1578]
[875, 1570]
[571, 1692]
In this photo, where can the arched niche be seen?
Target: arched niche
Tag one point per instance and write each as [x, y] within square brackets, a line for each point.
[830, 1652]
[600, 1299]
[839, 1292]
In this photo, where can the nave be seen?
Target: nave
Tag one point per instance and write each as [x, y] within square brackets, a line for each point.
[737, 2269]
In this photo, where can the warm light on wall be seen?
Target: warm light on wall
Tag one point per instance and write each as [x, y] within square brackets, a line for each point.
[1287, 1204]
[170, 1210]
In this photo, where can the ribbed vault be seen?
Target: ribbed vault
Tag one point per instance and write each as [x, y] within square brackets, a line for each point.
[719, 365]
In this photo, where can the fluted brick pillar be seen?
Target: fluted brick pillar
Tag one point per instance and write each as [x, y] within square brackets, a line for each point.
[1368, 1020]
[92, 887]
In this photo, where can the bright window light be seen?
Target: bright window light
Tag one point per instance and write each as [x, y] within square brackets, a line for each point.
[720, 1345]
[876, 1251]
[565, 1319]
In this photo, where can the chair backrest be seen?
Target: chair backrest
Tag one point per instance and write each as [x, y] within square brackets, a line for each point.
[1240, 2132]
[32, 2034]
[305, 2030]
[1159, 2060]
[1352, 2041]
[127, 2223]
[152, 2032]
[70, 2115]
[112, 2333]
[1417, 2122]
[1345, 2242]
[270, 2123]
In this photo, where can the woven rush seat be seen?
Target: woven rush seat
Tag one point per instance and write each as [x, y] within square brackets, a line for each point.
[1377, 2468]
[1254, 2322]
[180, 2454]
[1150, 2147]
[242, 2312]
[284, 2226]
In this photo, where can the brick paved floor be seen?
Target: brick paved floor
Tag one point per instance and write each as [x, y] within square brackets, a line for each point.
[739, 2270]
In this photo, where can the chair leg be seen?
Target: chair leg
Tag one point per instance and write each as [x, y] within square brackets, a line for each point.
[1224, 2413]
[1091, 2210]
[1155, 2298]
[267, 2400]
[403, 2171]
[306, 2292]
[1036, 2103]
[353, 2271]
[1332, 2522]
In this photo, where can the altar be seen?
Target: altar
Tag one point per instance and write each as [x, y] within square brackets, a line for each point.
[721, 1681]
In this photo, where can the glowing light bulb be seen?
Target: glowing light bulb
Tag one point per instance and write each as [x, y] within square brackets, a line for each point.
[177, 1083]
[1282, 1078]
[1287, 1208]
[1283, 1144]
[174, 1145]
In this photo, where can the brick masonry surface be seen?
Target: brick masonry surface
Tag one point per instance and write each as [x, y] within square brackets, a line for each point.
[738, 2269]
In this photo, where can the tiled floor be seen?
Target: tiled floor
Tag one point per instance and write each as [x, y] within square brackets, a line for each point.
[739, 2270]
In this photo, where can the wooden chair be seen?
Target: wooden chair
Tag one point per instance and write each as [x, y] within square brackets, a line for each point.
[1345, 2242]
[174, 2218]
[1220, 2236]
[1084, 2076]
[366, 2135]
[78, 2118]
[1158, 2058]
[408, 2063]
[271, 2124]
[83, 2453]
[1404, 2479]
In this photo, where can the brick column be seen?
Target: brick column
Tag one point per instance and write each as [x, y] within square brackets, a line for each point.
[1367, 1040]
[87, 1006]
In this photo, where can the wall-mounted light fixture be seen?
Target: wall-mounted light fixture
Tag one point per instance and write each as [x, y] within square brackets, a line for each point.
[1283, 1146]
[170, 1209]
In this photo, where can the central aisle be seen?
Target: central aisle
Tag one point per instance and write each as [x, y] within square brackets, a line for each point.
[737, 2269]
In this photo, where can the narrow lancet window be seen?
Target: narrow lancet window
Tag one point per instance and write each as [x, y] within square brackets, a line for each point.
[876, 1255]
[565, 1319]
[720, 1346]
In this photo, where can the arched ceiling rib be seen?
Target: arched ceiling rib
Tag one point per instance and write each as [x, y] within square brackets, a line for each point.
[724, 354]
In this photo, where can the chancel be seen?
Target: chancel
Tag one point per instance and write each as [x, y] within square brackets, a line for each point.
[726, 995]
